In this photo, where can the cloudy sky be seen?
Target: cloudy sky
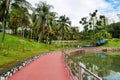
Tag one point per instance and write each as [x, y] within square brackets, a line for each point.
[76, 9]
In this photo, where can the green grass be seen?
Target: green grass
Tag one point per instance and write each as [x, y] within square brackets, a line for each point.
[16, 49]
[115, 43]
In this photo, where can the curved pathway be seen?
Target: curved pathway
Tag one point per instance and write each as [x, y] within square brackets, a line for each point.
[47, 67]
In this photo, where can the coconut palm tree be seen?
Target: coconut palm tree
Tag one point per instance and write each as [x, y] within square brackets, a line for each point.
[33, 18]
[64, 24]
[51, 30]
[43, 11]
[5, 7]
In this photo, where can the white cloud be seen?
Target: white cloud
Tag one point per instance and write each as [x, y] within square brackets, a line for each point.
[76, 9]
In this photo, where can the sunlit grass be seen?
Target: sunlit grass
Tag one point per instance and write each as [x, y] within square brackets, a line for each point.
[16, 49]
[113, 43]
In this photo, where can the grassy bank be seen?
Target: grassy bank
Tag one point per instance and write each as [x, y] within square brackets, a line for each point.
[16, 49]
[114, 43]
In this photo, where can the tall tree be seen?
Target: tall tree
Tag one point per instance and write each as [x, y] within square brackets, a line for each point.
[43, 11]
[93, 21]
[64, 24]
[74, 33]
[101, 23]
[51, 27]
[90, 24]
[114, 29]
[18, 18]
[4, 10]
[5, 7]
[34, 32]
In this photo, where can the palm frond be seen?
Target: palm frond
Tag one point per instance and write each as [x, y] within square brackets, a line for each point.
[23, 3]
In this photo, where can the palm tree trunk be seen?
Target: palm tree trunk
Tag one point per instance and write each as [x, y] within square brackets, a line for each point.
[41, 33]
[4, 26]
[39, 37]
[7, 3]
[3, 35]
[62, 32]
[43, 26]
[43, 29]
[31, 34]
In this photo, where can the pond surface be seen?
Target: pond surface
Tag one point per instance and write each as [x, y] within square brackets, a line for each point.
[106, 66]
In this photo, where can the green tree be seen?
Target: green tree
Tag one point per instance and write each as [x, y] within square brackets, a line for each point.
[43, 11]
[87, 25]
[64, 24]
[101, 23]
[4, 10]
[74, 33]
[93, 25]
[34, 29]
[5, 7]
[93, 21]
[18, 18]
[102, 34]
[51, 30]
[114, 30]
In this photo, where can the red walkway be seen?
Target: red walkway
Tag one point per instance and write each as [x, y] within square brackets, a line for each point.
[48, 67]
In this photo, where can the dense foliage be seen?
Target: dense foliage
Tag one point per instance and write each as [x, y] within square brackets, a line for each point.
[39, 23]
[94, 27]
[114, 29]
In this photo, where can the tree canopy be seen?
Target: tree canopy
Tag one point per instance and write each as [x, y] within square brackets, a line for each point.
[114, 29]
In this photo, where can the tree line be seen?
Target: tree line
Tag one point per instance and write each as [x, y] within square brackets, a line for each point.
[97, 27]
[39, 23]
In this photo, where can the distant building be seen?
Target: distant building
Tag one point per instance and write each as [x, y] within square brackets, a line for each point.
[118, 17]
[109, 21]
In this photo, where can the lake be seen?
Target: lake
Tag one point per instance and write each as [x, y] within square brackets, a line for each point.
[104, 65]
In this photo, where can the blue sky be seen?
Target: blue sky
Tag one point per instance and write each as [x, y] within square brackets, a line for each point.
[76, 9]
[114, 3]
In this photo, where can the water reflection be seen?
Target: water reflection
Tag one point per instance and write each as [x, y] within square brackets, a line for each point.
[114, 76]
[103, 65]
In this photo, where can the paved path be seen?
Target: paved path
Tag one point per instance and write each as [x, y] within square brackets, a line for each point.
[48, 67]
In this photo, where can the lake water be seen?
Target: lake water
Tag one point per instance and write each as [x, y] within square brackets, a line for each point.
[106, 66]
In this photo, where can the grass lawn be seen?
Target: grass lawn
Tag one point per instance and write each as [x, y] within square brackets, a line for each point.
[114, 43]
[16, 49]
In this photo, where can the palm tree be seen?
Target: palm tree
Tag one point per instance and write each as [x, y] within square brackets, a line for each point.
[18, 18]
[43, 11]
[90, 24]
[64, 23]
[51, 27]
[74, 33]
[33, 18]
[5, 7]
[93, 21]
